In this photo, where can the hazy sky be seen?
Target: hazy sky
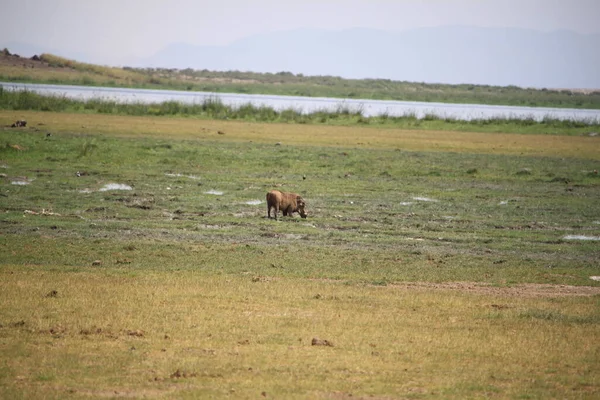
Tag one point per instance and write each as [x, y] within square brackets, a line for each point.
[112, 30]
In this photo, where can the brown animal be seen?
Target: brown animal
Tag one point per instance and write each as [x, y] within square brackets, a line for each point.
[288, 203]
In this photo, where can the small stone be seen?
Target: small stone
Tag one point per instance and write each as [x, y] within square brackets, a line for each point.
[321, 342]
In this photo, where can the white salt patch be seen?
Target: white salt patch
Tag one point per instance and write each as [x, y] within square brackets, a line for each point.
[215, 192]
[181, 175]
[503, 203]
[423, 199]
[114, 186]
[86, 191]
[3, 166]
[254, 202]
[20, 183]
[405, 203]
[595, 278]
[581, 237]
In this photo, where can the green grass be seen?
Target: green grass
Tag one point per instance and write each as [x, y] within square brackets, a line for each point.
[435, 266]
[426, 209]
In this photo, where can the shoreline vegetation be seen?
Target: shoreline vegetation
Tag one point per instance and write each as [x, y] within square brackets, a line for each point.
[48, 68]
[344, 115]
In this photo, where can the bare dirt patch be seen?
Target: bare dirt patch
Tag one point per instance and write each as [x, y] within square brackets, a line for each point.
[121, 393]
[520, 290]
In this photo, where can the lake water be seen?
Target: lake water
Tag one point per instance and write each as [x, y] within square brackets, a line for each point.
[310, 104]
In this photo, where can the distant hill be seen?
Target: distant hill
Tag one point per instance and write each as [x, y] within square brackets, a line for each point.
[494, 56]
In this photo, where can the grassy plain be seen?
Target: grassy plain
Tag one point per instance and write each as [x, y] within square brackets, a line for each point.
[437, 263]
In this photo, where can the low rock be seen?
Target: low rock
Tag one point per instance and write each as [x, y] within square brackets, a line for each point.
[19, 123]
[321, 342]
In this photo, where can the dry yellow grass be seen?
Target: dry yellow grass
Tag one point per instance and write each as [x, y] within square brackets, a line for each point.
[37, 74]
[57, 69]
[314, 135]
[98, 70]
[113, 333]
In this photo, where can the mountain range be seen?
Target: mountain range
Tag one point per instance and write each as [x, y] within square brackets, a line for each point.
[451, 54]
